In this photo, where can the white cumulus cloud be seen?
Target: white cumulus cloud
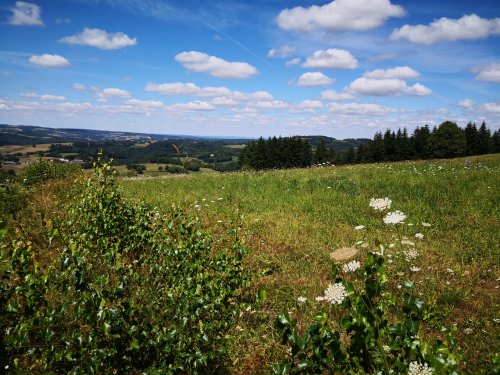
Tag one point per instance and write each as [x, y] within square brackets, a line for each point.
[100, 39]
[332, 95]
[362, 109]
[271, 104]
[399, 72]
[26, 14]
[114, 92]
[79, 86]
[315, 79]
[386, 87]
[491, 108]
[144, 103]
[49, 61]
[190, 89]
[281, 52]
[292, 62]
[418, 90]
[468, 27]
[466, 104]
[202, 63]
[193, 106]
[339, 15]
[331, 59]
[490, 73]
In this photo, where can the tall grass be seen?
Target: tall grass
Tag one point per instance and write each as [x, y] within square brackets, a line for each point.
[294, 219]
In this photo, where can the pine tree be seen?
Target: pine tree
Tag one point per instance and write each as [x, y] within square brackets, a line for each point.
[472, 139]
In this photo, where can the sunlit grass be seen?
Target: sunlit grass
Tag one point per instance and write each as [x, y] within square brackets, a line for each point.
[294, 219]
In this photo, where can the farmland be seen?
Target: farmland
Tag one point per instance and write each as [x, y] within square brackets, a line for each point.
[293, 220]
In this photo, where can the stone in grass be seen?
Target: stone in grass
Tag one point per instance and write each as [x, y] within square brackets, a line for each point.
[343, 253]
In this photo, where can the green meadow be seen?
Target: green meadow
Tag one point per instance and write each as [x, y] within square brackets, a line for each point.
[292, 220]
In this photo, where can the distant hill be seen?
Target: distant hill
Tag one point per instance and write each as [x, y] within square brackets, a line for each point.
[27, 134]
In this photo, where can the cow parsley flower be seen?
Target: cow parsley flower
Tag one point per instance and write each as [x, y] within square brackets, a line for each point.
[335, 293]
[359, 227]
[426, 224]
[416, 368]
[351, 266]
[419, 235]
[415, 269]
[301, 299]
[380, 204]
[396, 217]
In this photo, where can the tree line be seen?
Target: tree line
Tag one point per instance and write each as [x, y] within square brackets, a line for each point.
[448, 140]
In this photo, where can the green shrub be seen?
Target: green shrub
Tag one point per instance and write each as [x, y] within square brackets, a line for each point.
[130, 291]
[176, 169]
[43, 170]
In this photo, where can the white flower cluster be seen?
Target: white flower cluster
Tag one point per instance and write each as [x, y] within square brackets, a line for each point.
[351, 266]
[419, 235]
[359, 227]
[380, 204]
[410, 254]
[335, 294]
[415, 269]
[396, 217]
[416, 368]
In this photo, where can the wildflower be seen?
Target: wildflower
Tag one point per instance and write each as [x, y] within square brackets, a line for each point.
[426, 224]
[410, 254]
[335, 293]
[396, 217]
[419, 235]
[450, 270]
[407, 242]
[387, 348]
[416, 368]
[359, 227]
[351, 266]
[414, 269]
[320, 298]
[380, 204]
[302, 299]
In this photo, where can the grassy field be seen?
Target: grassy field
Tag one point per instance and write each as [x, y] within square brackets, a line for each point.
[294, 219]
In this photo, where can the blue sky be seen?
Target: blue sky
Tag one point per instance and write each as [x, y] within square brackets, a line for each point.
[345, 68]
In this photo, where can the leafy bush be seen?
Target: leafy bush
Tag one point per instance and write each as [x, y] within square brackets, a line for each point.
[176, 169]
[130, 291]
[43, 170]
[192, 165]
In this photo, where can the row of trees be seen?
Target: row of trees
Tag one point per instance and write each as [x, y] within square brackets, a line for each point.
[446, 141]
[280, 153]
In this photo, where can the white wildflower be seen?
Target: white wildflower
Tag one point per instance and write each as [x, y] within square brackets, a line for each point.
[416, 368]
[450, 270]
[359, 227]
[301, 299]
[351, 266]
[359, 242]
[414, 269]
[319, 298]
[387, 348]
[396, 217]
[380, 204]
[419, 235]
[410, 254]
[407, 243]
[335, 293]
[426, 224]
[391, 245]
